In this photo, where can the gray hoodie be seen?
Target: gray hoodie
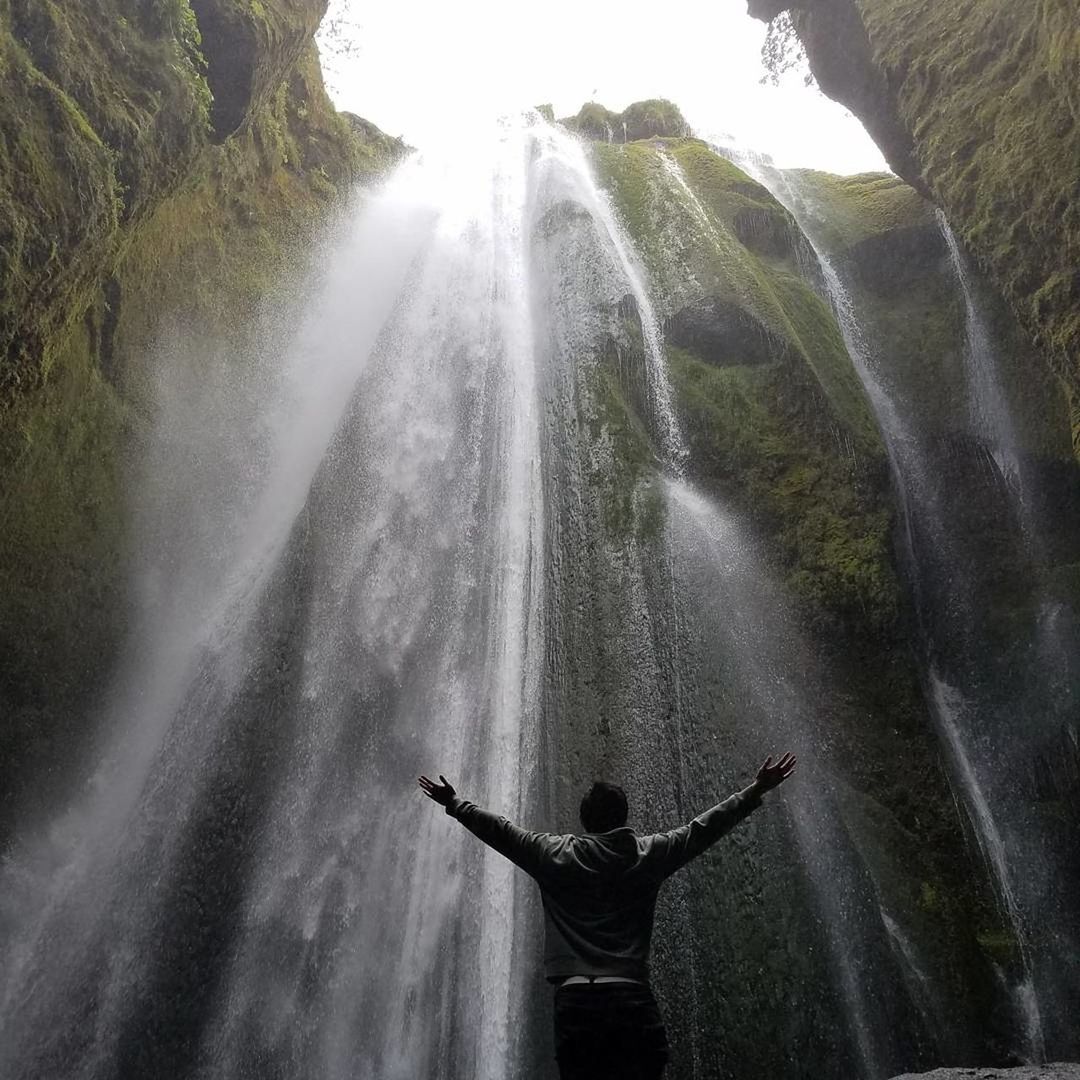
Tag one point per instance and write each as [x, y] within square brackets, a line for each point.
[599, 890]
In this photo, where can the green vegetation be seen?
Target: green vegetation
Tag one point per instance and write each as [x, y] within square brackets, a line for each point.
[979, 106]
[62, 528]
[908, 297]
[855, 208]
[827, 519]
[630, 506]
[773, 409]
[100, 117]
[989, 93]
[655, 118]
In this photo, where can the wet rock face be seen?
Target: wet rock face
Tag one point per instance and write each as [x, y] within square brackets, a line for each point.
[110, 195]
[722, 333]
[1057, 1071]
[902, 257]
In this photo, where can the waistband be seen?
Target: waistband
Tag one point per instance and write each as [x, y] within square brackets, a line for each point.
[593, 980]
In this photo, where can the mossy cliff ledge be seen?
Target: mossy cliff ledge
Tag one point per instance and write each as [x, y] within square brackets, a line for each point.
[156, 158]
[978, 105]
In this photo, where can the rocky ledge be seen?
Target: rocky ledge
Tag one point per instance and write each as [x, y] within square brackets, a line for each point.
[1057, 1071]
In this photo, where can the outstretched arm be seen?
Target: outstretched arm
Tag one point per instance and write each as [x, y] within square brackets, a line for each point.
[686, 843]
[529, 850]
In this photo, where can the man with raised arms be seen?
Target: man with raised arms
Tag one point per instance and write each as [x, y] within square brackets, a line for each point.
[599, 895]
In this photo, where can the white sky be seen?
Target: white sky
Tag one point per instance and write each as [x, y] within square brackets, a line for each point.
[425, 69]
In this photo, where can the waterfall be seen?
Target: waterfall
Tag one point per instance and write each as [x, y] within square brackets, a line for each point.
[774, 671]
[744, 628]
[989, 405]
[356, 598]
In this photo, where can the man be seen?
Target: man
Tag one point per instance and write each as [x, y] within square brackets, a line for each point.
[599, 895]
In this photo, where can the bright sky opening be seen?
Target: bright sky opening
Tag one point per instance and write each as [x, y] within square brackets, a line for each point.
[427, 70]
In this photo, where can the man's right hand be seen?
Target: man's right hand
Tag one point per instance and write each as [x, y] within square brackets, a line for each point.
[772, 775]
[442, 793]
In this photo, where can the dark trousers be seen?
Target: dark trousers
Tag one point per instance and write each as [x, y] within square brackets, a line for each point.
[609, 1030]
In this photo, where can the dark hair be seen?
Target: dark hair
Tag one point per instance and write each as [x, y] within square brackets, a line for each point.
[603, 808]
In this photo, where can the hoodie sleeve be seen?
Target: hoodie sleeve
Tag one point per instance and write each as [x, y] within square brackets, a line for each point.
[532, 851]
[688, 841]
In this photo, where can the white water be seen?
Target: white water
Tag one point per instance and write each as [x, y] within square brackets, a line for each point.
[390, 473]
[948, 706]
[991, 415]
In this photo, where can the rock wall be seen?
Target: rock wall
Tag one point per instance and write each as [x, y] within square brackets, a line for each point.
[155, 158]
[779, 429]
[977, 105]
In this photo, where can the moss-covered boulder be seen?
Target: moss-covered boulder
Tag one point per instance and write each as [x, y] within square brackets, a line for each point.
[978, 105]
[655, 118]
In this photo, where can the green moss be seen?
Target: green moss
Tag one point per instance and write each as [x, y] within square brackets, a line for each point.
[676, 232]
[829, 521]
[785, 429]
[99, 118]
[850, 209]
[986, 96]
[641, 120]
[115, 212]
[653, 118]
[630, 506]
[594, 121]
[1000, 946]
[61, 541]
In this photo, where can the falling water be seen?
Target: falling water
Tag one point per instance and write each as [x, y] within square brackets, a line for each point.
[376, 544]
[368, 607]
[744, 630]
[990, 408]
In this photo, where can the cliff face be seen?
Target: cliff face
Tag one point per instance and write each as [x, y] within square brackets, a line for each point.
[779, 428]
[155, 159]
[976, 104]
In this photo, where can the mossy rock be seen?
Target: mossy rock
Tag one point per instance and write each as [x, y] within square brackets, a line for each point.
[890, 247]
[762, 379]
[102, 113]
[978, 106]
[854, 209]
[250, 47]
[655, 118]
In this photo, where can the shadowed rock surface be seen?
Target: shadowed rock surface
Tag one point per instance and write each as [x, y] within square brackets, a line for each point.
[1054, 1071]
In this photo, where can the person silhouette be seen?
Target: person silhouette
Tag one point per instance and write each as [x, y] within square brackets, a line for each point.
[599, 895]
